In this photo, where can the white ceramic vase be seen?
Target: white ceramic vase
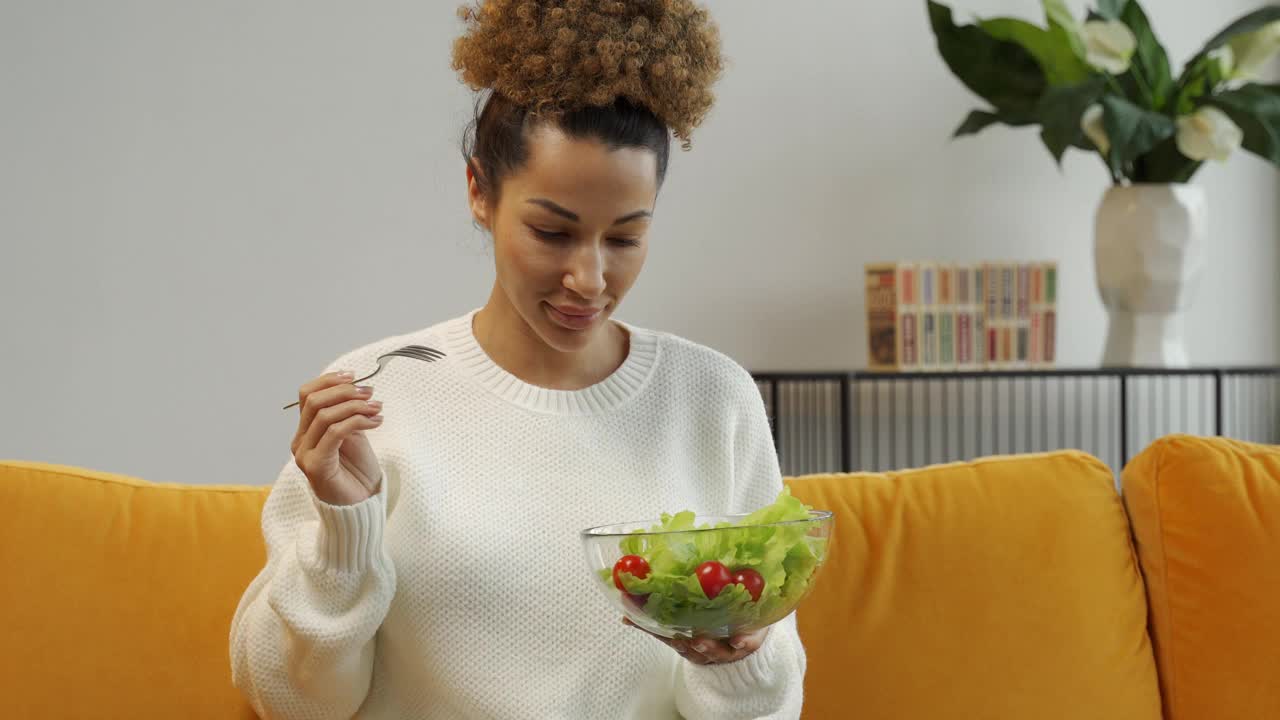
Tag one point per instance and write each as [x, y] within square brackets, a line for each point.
[1148, 253]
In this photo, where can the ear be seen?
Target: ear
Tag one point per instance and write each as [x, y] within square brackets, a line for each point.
[476, 198]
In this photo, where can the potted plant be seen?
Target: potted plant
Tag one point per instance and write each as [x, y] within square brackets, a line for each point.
[1104, 85]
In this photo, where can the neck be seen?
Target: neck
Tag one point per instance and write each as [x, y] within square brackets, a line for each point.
[515, 347]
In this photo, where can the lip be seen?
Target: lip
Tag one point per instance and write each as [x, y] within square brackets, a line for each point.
[575, 311]
[572, 317]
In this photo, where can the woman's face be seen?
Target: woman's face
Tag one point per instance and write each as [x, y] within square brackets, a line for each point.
[570, 233]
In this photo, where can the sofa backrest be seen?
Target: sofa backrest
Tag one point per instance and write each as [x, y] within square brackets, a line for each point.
[1001, 588]
[1206, 515]
[118, 593]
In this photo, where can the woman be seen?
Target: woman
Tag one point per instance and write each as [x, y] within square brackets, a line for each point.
[428, 565]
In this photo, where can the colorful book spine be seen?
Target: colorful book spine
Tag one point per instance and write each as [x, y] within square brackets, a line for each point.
[1035, 356]
[882, 317]
[1006, 285]
[946, 317]
[977, 307]
[991, 314]
[1022, 316]
[929, 344]
[1049, 354]
[963, 278]
[908, 317]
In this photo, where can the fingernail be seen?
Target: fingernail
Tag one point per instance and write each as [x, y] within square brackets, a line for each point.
[700, 647]
[737, 644]
[346, 374]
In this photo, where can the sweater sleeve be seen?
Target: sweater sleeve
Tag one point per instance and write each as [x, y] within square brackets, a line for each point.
[302, 638]
[769, 683]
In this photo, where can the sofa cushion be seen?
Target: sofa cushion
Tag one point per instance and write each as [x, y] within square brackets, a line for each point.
[1206, 515]
[118, 593]
[1001, 588]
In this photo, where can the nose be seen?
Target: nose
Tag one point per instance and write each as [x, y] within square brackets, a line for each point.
[585, 275]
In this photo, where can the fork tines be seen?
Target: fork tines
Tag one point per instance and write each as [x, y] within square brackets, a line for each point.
[420, 352]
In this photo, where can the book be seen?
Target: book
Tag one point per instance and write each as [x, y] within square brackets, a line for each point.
[991, 314]
[1035, 354]
[883, 345]
[977, 310]
[1022, 316]
[928, 316]
[908, 317]
[963, 278]
[947, 309]
[1049, 352]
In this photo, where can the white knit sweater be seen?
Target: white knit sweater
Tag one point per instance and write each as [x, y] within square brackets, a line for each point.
[461, 589]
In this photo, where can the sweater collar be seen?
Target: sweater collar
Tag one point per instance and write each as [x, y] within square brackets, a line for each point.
[612, 392]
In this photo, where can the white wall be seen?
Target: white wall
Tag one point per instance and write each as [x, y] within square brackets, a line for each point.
[200, 202]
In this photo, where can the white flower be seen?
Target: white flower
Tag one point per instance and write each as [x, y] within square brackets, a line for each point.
[1253, 50]
[1109, 45]
[1091, 124]
[1225, 57]
[1208, 133]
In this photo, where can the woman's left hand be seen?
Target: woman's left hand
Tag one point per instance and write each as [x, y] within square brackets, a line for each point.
[709, 651]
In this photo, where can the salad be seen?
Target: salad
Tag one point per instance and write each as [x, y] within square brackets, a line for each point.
[741, 575]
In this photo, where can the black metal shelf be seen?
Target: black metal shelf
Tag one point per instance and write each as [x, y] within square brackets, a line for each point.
[828, 421]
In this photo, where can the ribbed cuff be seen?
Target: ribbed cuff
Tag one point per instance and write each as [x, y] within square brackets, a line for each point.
[350, 536]
[747, 675]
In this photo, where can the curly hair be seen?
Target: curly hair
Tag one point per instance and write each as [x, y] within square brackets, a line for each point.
[556, 56]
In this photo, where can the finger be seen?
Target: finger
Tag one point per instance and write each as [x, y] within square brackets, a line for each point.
[713, 650]
[319, 393]
[747, 642]
[337, 432]
[678, 644]
[332, 394]
[333, 414]
[695, 657]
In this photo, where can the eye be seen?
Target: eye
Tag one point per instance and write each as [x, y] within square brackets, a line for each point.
[549, 235]
[625, 242]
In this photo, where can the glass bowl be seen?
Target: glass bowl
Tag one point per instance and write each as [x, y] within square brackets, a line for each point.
[677, 589]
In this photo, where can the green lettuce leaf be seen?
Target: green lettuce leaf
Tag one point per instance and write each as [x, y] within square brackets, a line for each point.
[784, 555]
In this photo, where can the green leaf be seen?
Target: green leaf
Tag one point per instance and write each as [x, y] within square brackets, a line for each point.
[1000, 72]
[1200, 78]
[1256, 109]
[1133, 131]
[1051, 50]
[1150, 62]
[1111, 9]
[784, 555]
[1063, 23]
[1248, 23]
[1060, 111]
[976, 122]
[1166, 164]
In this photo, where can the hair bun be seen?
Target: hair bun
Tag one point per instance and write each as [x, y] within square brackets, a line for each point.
[561, 55]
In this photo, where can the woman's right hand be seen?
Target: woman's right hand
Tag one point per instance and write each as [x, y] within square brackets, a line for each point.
[330, 446]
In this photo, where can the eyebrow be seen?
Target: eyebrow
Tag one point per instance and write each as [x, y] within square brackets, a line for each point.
[571, 215]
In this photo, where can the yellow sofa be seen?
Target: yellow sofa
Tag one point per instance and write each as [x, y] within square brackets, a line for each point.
[1008, 587]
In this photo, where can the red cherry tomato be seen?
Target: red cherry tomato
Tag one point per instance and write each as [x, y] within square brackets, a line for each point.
[751, 580]
[634, 564]
[713, 576]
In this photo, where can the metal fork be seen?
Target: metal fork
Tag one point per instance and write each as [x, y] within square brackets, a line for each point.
[417, 352]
